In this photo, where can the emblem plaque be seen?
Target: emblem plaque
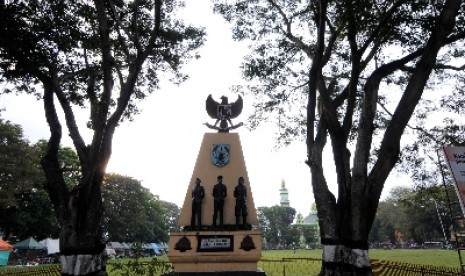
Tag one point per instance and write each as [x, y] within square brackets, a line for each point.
[220, 154]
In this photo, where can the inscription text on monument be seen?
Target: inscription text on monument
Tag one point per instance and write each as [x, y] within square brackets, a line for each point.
[215, 243]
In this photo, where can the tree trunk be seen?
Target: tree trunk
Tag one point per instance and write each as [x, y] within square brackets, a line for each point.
[340, 259]
[79, 214]
[83, 264]
[78, 211]
[344, 232]
[81, 247]
[345, 223]
[87, 263]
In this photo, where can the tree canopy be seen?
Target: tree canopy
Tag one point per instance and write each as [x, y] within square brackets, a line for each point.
[172, 212]
[354, 72]
[101, 56]
[275, 222]
[19, 163]
[25, 207]
[417, 215]
[131, 212]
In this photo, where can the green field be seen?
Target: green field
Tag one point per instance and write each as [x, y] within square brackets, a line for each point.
[309, 261]
[448, 258]
[274, 263]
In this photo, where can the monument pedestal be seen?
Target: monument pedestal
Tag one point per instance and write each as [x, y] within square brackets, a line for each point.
[214, 249]
[207, 251]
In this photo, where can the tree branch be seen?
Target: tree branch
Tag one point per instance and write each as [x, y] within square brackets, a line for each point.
[390, 146]
[119, 26]
[54, 182]
[70, 119]
[308, 49]
[382, 24]
[450, 67]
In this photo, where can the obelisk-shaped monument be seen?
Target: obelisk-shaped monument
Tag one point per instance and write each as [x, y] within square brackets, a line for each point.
[218, 218]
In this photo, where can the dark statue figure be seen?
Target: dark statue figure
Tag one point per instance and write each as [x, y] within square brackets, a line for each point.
[198, 193]
[219, 194]
[223, 113]
[240, 193]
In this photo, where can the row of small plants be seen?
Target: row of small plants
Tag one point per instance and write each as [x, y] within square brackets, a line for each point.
[308, 262]
[274, 263]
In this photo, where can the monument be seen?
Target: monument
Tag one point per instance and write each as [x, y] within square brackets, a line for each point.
[218, 219]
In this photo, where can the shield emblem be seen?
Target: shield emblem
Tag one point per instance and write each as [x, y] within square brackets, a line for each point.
[224, 111]
[220, 154]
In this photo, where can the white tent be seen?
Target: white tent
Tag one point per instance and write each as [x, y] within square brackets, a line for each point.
[164, 246]
[119, 248]
[155, 248]
[53, 245]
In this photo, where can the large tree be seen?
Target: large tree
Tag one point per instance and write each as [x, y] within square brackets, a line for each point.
[100, 55]
[275, 222]
[20, 174]
[419, 214]
[353, 71]
[19, 163]
[131, 212]
[32, 216]
[172, 212]
[25, 207]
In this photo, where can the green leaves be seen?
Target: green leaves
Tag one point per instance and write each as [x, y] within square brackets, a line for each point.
[415, 214]
[19, 163]
[25, 207]
[277, 221]
[63, 38]
[131, 212]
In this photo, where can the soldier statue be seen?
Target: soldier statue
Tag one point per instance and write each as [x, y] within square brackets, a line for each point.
[198, 193]
[240, 193]
[219, 194]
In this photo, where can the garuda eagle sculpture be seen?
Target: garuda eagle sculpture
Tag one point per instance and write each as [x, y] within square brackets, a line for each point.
[223, 113]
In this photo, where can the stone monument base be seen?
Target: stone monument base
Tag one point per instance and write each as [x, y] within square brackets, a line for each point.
[215, 252]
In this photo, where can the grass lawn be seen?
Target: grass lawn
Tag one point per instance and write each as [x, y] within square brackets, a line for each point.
[272, 262]
[448, 258]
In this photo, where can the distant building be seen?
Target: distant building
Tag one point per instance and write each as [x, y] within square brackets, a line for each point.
[312, 220]
[284, 195]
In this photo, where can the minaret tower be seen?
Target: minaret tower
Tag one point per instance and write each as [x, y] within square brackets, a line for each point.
[284, 194]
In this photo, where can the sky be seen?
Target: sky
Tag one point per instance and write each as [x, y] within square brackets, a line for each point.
[160, 146]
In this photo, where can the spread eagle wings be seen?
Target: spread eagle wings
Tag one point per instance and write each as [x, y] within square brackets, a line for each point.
[212, 106]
